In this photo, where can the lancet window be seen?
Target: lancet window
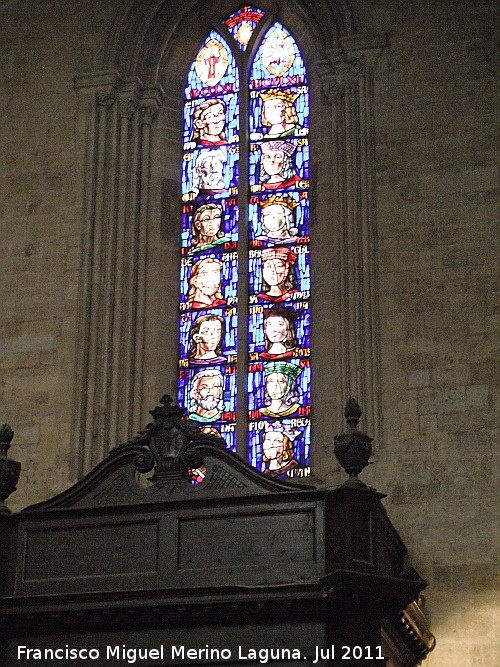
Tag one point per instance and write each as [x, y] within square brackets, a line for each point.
[244, 325]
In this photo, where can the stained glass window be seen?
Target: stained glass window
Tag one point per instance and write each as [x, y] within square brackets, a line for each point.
[242, 23]
[268, 217]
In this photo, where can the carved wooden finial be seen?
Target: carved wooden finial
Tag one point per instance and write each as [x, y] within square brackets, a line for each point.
[353, 449]
[9, 469]
[352, 412]
[6, 435]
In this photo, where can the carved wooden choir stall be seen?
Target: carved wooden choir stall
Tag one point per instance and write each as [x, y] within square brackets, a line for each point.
[135, 563]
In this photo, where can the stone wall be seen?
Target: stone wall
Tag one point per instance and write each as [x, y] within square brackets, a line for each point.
[43, 46]
[437, 205]
[435, 107]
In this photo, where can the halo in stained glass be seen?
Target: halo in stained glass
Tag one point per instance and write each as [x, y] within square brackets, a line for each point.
[242, 23]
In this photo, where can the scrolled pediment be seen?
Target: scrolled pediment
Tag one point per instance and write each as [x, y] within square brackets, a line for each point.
[155, 466]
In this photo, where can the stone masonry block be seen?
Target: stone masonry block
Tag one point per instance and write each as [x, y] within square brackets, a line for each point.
[408, 418]
[461, 399]
[475, 576]
[23, 344]
[419, 378]
[477, 397]
[446, 400]
[427, 423]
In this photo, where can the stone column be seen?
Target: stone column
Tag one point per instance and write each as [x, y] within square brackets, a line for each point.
[347, 82]
[115, 167]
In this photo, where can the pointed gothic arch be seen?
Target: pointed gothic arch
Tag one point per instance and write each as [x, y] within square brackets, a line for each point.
[130, 120]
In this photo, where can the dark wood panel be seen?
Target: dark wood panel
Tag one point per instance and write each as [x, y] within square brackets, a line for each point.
[215, 542]
[91, 551]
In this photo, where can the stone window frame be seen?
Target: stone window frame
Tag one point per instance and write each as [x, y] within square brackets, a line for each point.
[129, 130]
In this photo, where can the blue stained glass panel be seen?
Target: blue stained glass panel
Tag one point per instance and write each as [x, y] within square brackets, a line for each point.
[209, 281]
[277, 218]
[220, 322]
[264, 335]
[229, 436]
[279, 375]
[292, 283]
[217, 114]
[210, 173]
[269, 106]
[294, 391]
[208, 393]
[222, 429]
[281, 164]
[209, 225]
[214, 70]
[298, 433]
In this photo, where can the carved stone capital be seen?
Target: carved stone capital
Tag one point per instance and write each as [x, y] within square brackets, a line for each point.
[356, 67]
[128, 95]
[330, 82]
[106, 99]
[337, 71]
[151, 100]
[366, 47]
[149, 111]
[127, 106]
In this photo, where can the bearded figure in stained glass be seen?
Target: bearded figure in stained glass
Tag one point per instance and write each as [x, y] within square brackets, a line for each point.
[279, 332]
[278, 274]
[205, 340]
[209, 121]
[206, 227]
[205, 284]
[278, 113]
[277, 168]
[277, 449]
[205, 396]
[277, 219]
[208, 173]
[281, 394]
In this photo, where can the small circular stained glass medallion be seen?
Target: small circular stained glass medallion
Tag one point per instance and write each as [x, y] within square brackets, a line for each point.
[244, 33]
